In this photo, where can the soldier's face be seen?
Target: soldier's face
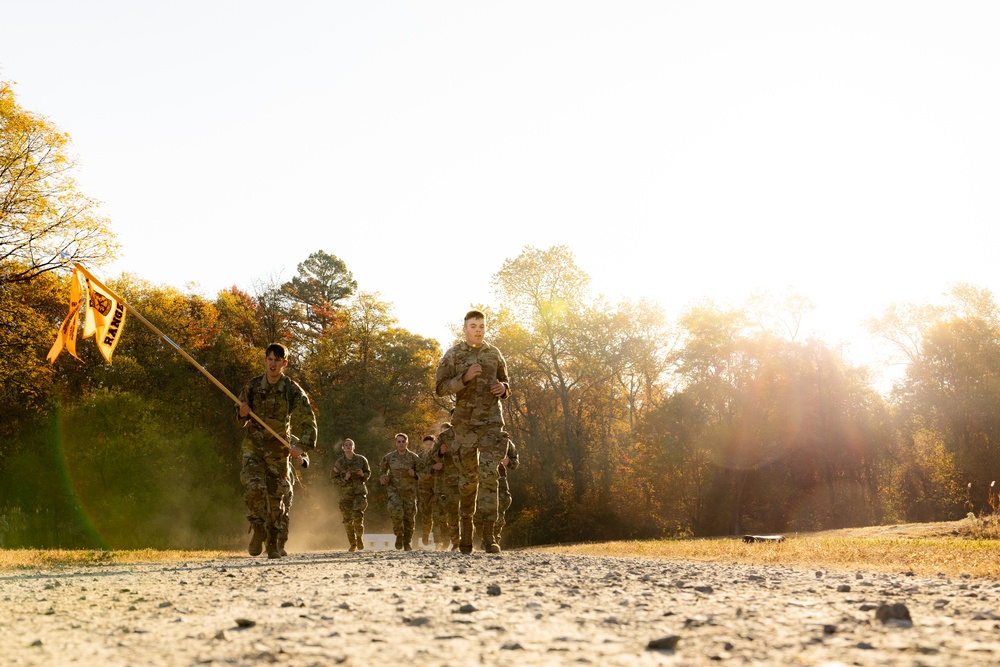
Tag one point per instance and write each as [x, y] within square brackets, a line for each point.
[474, 330]
[274, 366]
[400, 445]
[348, 448]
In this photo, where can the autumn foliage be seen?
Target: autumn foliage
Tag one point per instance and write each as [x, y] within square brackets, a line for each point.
[628, 424]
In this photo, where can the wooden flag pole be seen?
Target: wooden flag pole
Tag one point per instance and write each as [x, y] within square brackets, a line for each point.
[181, 352]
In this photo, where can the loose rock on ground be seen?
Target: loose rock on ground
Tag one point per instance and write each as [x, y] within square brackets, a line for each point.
[521, 608]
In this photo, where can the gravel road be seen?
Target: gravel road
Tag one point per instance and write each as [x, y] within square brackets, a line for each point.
[521, 608]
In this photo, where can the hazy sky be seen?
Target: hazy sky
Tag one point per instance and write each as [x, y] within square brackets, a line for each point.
[846, 150]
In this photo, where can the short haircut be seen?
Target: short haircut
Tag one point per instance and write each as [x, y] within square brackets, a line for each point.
[474, 315]
[279, 350]
[403, 435]
[347, 440]
[428, 437]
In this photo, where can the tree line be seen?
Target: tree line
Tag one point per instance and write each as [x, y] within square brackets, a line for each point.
[629, 425]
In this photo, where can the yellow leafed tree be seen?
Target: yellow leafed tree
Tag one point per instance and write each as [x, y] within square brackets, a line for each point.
[46, 223]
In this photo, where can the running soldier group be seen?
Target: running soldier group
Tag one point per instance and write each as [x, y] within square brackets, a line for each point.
[429, 484]
[458, 480]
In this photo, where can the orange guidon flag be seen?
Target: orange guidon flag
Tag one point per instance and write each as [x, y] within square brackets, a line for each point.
[67, 332]
[104, 315]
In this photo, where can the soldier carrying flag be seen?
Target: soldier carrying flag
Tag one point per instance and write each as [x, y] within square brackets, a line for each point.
[272, 395]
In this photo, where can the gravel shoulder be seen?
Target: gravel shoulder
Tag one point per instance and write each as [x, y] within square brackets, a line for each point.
[522, 608]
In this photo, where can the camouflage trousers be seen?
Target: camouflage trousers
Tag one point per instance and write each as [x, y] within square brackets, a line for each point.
[267, 480]
[446, 501]
[283, 528]
[352, 508]
[402, 511]
[425, 506]
[503, 504]
[480, 451]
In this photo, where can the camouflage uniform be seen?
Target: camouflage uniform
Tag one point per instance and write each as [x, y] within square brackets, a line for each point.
[477, 421]
[402, 491]
[425, 495]
[266, 473]
[353, 496]
[446, 489]
[503, 493]
[287, 499]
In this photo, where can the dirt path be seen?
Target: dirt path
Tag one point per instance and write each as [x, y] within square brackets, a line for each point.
[521, 608]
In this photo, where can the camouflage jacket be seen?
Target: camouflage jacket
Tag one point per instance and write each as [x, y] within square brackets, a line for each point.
[395, 467]
[285, 407]
[427, 473]
[449, 473]
[354, 485]
[475, 405]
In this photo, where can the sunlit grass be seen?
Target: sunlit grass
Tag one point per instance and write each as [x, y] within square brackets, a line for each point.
[967, 547]
[970, 546]
[19, 559]
[922, 556]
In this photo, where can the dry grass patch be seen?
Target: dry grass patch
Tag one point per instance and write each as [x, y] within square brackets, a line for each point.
[970, 546]
[22, 559]
[953, 557]
[951, 548]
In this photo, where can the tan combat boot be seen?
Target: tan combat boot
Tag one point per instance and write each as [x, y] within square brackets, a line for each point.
[257, 539]
[477, 527]
[282, 538]
[490, 545]
[465, 541]
[272, 547]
